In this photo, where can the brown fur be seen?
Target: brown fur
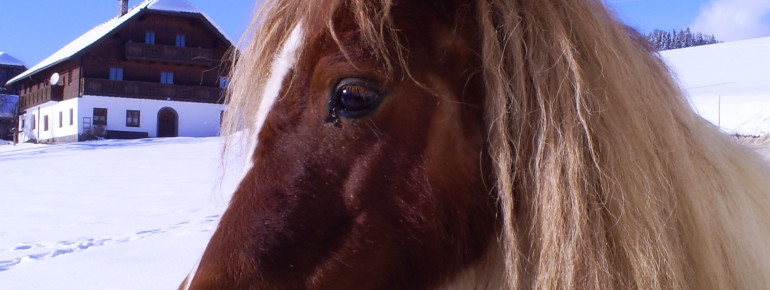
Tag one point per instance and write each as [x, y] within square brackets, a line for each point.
[601, 175]
[375, 203]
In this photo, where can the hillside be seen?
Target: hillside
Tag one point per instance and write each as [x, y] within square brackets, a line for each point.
[737, 73]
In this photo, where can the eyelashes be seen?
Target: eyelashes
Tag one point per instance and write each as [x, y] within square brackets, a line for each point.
[354, 98]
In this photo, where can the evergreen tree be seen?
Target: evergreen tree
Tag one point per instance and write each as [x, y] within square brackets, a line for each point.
[664, 40]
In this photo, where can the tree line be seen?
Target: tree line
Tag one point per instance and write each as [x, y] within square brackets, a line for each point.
[664, 40]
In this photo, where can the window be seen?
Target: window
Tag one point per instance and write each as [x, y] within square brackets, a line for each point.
[149, 37]
[69, 77]
[23, 124]
[61, 119]
[33, 122]
[224, 82]
[180, 40]
[167, 78]
[116, 73]
[132, 118]
[100, 116]
[72, 118]
[45, 123]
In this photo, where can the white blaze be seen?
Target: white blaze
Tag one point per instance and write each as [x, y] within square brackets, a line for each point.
[278, 71]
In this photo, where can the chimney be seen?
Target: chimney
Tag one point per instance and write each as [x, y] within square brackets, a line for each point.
[123, 7]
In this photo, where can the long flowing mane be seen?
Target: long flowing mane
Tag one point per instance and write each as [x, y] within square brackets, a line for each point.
[605, 178]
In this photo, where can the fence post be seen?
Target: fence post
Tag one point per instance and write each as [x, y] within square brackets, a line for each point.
[719, 112]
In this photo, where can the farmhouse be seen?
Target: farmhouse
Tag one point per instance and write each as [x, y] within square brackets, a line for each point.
[156, 70]
[9, 96]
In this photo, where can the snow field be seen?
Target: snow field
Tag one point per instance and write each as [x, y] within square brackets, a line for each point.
[110, 214]
[728, 83]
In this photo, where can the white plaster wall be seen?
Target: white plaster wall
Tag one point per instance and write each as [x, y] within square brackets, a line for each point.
[24, 132]
[50, 109]
[195, 119]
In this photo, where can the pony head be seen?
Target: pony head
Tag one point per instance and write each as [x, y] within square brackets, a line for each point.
[475, 144]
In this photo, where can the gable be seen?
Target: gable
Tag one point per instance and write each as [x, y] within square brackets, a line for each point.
[87, 40]
[6, 59]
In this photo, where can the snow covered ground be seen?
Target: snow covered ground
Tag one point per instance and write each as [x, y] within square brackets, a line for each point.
[137, 214]
[111, 214]
[728, 83]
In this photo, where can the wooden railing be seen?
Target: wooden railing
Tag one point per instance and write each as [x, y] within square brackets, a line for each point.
[46, 94]
[171, 54]
[155, 91]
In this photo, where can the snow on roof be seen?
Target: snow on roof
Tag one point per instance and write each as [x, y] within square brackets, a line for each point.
[174, 5]
[184, 6]
[6, 59]
[100, 31]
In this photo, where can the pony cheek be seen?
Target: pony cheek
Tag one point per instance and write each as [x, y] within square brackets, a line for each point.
[456, 167]
[454, 138]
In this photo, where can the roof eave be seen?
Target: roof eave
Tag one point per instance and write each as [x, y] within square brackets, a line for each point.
[35, 70]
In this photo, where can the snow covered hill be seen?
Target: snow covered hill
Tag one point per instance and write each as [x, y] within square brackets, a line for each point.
[728, 83]
[109, 214]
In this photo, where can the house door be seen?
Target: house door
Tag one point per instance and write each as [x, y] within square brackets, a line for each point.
[167, 123]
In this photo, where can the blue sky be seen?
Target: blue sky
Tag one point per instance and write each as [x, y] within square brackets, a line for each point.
[648, 15]
[31, 30]
[728, 20]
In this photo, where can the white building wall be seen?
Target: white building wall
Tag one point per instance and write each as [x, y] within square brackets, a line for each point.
[194, 119]
[25, 133]
[56, 130]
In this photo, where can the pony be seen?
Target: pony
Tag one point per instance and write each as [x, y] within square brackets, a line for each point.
[476, 144]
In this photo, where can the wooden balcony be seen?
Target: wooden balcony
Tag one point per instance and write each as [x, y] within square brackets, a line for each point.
[170, 54]
[153, 91]
[41, 96]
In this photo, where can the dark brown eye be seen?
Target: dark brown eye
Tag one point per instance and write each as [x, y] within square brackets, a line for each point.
[354, 98]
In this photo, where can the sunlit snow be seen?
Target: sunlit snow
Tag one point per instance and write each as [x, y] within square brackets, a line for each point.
[110, 214]
[728, 83]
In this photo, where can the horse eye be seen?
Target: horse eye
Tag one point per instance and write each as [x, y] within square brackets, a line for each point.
[354, 98]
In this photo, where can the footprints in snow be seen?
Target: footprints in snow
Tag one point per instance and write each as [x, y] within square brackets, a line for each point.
[26, 247]
[43, 251]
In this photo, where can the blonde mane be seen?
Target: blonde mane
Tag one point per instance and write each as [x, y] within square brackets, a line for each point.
[605, 176]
